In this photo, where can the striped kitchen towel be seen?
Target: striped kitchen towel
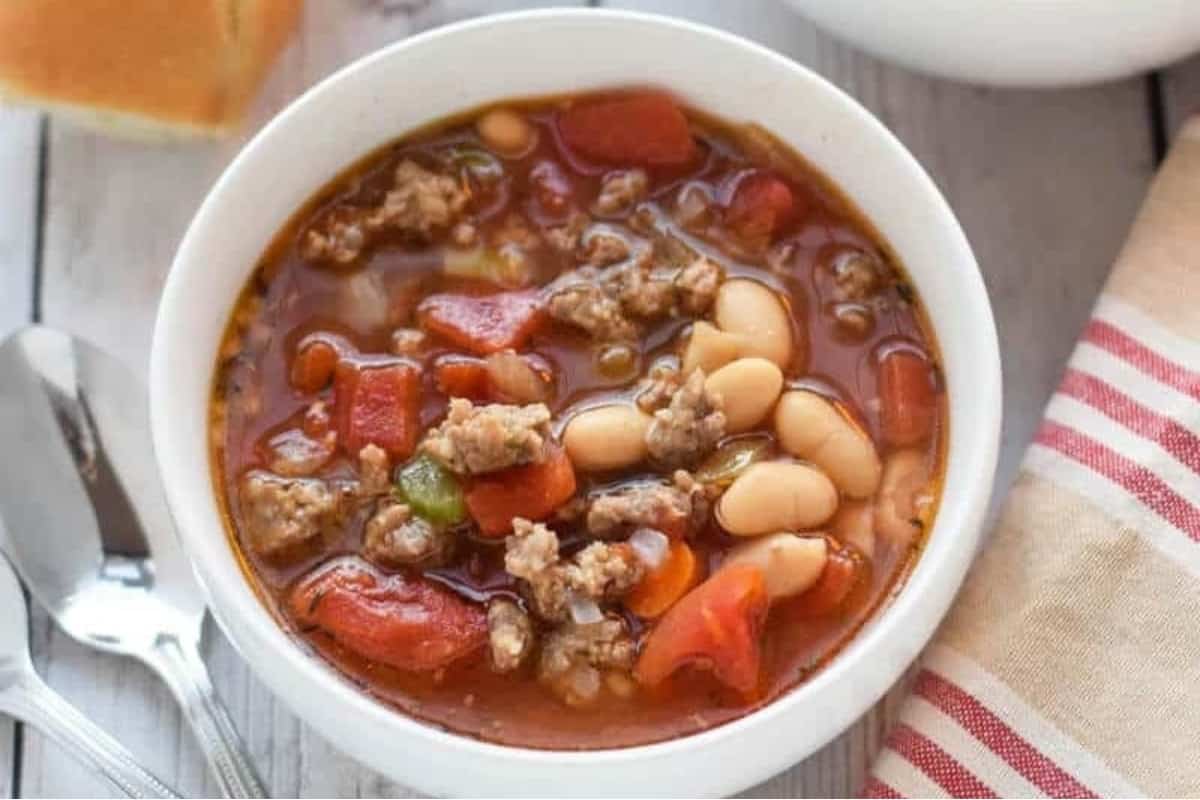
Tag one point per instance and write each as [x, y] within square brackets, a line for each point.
[1070, 664]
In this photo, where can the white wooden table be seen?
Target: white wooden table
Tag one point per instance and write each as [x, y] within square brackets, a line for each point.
[1046, 184]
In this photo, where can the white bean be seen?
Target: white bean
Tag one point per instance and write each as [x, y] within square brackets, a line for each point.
[748, 388]
[709, 348]
[790, 564]
[756, 313]
[812, 428]
[905, 477]
[776, 496]
[505, 131]
[854, 524]
[607, 437]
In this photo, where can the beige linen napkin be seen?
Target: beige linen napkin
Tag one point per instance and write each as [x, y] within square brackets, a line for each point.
[1070, 665]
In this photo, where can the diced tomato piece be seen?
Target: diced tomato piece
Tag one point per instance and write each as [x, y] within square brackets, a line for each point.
[717, 625]
[406, 622]
[378, 404]
[843, 570]
[462, 376]
[313, 366]
[908, 405]
[760, 206]
[666, 584]
[532, 491]
[646, 128]
[483, 324]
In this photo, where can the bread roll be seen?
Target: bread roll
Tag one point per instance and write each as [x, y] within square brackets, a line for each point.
[145, 68]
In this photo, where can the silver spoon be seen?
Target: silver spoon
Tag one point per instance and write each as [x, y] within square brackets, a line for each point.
[24, 696]
[80, 502]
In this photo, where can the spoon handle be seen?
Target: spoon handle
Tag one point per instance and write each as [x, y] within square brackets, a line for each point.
[32, 701]
[179, 662]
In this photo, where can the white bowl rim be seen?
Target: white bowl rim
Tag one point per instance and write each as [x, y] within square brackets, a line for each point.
[1018, 44]
[928, 591]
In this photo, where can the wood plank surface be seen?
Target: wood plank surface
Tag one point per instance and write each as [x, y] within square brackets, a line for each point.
[19, 147]
[1180, 93]
[1045, 184]
[115, 213]
[1045, 195]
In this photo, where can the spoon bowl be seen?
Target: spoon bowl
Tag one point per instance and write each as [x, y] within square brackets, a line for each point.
[24, 695]
[88, 529]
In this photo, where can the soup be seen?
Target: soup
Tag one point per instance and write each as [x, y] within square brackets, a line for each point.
[580, 422]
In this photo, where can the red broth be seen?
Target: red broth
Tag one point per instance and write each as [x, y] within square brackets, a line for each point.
[860, 341]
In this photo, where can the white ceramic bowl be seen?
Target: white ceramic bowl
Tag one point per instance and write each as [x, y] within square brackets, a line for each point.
[458, 67]
[1033, 43]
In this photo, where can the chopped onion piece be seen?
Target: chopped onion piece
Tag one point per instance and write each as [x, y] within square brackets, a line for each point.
[472, 262]
[692, 209]
[584, 610]
[515, 379]
[364, 301]
[650, 546]
[508, 266]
